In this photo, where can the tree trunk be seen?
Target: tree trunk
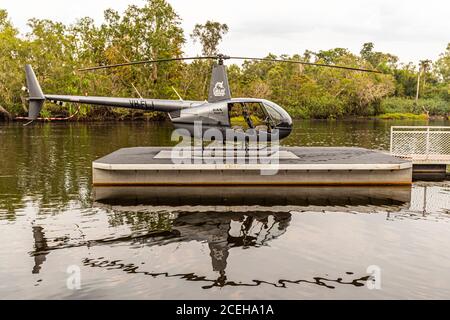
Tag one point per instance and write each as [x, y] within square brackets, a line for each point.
[5, 114]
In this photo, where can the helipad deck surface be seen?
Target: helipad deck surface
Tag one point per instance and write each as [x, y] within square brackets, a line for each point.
[293, 166]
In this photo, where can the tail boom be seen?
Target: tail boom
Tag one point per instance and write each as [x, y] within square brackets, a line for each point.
[37, 98]
[129, 103]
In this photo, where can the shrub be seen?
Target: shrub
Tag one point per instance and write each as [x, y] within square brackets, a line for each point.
[402, 116]
[435, 106]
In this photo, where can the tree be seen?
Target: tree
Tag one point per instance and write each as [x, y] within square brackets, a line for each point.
[332, 55]
[383, 61]
[140, 33]
[149, 32]
[209, 34]
[13, 54]
[442, 65]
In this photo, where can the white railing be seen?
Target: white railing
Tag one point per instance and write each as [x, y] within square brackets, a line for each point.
[425, 144]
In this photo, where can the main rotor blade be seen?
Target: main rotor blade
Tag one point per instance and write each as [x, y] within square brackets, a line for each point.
[307, 63]
[222, 57]
[144, 62]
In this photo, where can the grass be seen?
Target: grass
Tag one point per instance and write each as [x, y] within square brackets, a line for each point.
[402, 116]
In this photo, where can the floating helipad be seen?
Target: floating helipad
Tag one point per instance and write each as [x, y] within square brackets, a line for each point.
[162, 166]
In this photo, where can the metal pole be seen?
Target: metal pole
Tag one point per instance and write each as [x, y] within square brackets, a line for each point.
[424, 210]
[392, 133]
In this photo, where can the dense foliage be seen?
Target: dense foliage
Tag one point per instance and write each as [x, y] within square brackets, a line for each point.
[56, 51]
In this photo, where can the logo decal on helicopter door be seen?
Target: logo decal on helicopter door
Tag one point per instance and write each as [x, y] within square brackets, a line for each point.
[219, 89]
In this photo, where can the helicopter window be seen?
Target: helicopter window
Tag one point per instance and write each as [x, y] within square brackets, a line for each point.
[239, 116]
[256, 113]
[249, 115]
[274, 114]
[259, 116]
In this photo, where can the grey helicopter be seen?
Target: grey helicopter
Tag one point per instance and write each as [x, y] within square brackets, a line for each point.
[244, 117]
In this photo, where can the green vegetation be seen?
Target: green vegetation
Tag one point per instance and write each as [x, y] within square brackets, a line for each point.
[403, 116]
[153, 31]
[432, 106]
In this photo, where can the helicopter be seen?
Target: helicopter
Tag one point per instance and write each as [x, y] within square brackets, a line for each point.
[244, 117]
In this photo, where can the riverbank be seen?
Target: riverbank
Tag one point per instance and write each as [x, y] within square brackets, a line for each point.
[392, 108]
[161, 117]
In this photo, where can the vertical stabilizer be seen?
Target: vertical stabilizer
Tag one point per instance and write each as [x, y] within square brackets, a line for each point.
[36, 98]
[219, 88]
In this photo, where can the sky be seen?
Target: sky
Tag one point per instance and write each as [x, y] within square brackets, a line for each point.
[413, 30]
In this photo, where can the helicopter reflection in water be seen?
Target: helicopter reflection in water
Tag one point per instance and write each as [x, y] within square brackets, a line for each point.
[233, 221]
[222, 231]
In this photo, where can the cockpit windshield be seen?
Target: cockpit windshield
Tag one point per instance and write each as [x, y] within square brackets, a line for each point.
[274, 114]
[260, 115]
[277, 114]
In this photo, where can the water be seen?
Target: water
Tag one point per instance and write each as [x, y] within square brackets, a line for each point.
[332, 244]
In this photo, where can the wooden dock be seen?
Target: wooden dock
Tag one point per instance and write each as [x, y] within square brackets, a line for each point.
[314, 166]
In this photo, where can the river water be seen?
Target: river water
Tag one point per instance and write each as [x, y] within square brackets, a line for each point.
[57, 242]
